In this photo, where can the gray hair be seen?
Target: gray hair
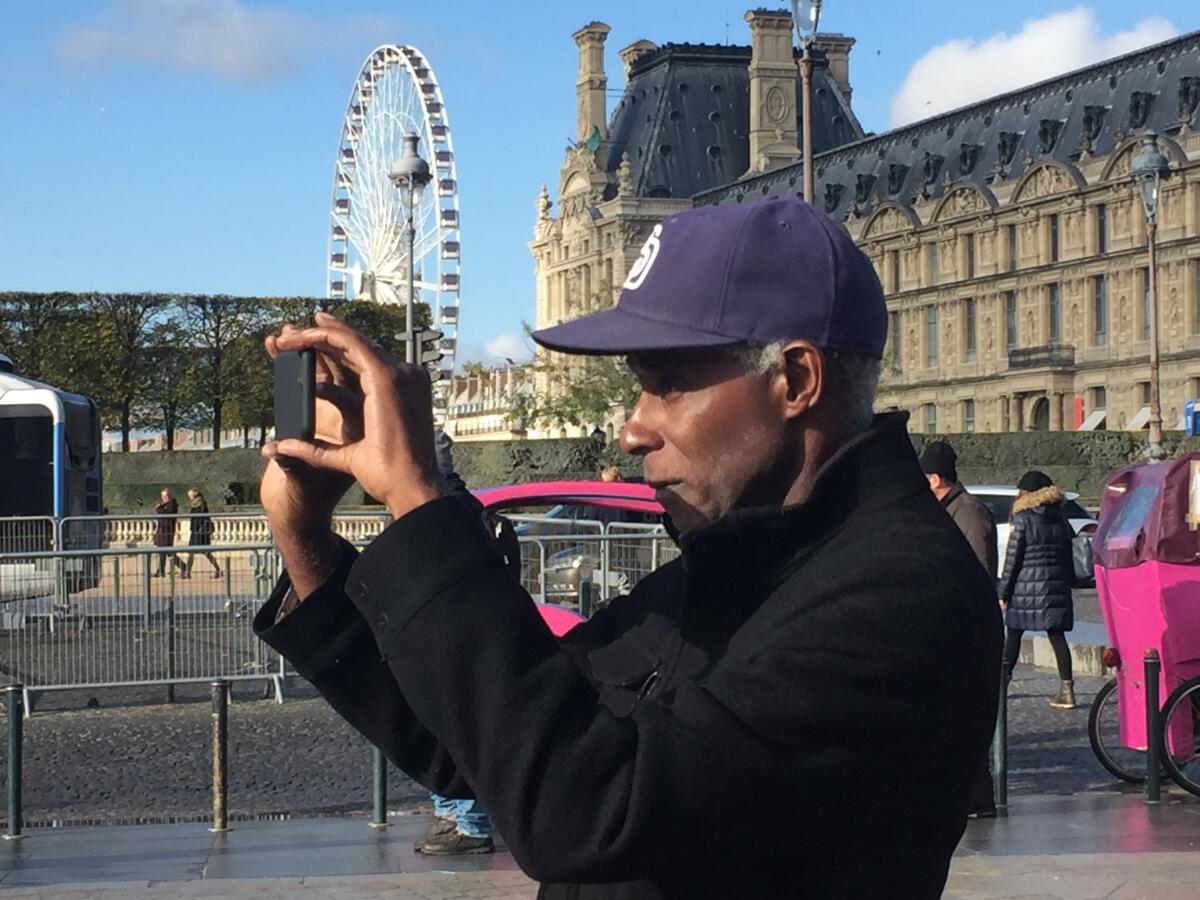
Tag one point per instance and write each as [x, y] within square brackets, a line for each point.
[855, 377]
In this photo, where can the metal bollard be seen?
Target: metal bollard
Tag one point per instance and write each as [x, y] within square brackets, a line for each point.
[16, 724]
[220, 755]
[379, 764]
[1000, 743]
[1151, 667]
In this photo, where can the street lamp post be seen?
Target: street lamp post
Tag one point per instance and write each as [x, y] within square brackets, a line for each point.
[410, 173]
[805, 16]
[1148, 170]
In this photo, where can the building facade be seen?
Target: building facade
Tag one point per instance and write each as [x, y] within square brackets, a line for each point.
[1008, 236]
[486, 404]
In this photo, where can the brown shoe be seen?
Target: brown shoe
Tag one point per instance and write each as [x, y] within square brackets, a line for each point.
[437, 829]
[455, 843]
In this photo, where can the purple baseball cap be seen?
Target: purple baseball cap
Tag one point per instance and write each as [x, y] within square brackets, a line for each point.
[775, 270]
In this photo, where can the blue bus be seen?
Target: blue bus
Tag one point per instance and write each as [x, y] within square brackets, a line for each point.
[49, 467]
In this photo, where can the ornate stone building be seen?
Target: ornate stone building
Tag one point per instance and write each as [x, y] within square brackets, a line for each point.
[685, 123]
[1011, 244]
[1007, 234]
[484, 405]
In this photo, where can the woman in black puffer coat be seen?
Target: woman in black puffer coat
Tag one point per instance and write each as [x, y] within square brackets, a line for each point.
[1035, 589]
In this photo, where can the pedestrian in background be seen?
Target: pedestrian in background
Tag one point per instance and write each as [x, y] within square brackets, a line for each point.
[164, 530]
[200, 533]
[939, 462]
[611, 474]
[1035, 589]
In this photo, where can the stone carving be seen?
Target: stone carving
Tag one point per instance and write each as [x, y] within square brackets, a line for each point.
[833, 195]
[1140, 104]
[962, 201]
[897, 172]
[930, 169]
[1044, 181]
[544, 224]
[775, 104]
[624, 177]
[1048, 132]
[968, 156]
[863, 186]
[887, 221]
[1189, 99]
[1007, 145]
[1093, 124]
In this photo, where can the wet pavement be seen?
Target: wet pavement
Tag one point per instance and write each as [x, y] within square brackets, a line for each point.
[1049, 847]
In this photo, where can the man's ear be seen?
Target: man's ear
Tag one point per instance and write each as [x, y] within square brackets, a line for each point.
[803, 377]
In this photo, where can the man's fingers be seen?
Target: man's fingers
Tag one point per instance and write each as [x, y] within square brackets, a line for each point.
[348, 402]
[318, 454]
[346, 347]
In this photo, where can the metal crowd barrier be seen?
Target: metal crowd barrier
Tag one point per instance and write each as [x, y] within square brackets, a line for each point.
[133, 614]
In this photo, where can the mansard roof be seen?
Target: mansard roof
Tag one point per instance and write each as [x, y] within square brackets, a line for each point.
[1091, 111]
[684, 118]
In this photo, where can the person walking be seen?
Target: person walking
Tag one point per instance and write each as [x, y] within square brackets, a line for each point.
[939, 462]
[1035, 589]
[164, 530]
[200, 533]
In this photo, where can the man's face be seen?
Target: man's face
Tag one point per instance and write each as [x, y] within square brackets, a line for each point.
[710, 434]
[164, 495]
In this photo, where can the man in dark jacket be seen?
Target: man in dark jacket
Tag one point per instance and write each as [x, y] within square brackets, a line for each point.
[164, 530]
[939, 462]
[826, 640]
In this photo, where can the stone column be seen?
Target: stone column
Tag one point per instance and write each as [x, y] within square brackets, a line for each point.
[1005, 413]
[773, 131]
[633, 52]
[591, 83]
[1018, 415]
[1056, 411]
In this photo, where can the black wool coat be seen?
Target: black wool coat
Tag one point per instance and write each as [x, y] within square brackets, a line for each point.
[1039, 566]
[796, 707]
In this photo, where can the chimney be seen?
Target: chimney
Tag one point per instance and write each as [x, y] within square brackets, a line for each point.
[836, 48]
[634, 52]
[589, 87]
[773, 74]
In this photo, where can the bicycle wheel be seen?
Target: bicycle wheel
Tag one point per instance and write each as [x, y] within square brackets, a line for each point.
[1181, 720]
[1104, 733]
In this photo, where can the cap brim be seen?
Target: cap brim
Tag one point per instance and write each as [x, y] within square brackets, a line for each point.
[615, 331]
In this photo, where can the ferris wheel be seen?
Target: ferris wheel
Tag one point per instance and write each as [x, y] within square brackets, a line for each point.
[396, 93]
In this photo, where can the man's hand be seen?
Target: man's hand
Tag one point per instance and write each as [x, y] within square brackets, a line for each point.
[298, 499]
[392, 457]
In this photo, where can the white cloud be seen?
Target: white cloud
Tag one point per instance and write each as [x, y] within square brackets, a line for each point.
[964, 71]
[495, 351]
[232, 41]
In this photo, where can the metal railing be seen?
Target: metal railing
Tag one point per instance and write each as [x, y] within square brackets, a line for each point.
[123, 616]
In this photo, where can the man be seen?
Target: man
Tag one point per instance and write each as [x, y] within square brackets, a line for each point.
[939, 462]
[164, 531]
[794, 708]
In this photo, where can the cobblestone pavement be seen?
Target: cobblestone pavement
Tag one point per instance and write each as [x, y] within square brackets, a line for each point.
[150, 760]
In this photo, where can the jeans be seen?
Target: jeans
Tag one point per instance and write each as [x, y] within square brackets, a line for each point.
[469, 817]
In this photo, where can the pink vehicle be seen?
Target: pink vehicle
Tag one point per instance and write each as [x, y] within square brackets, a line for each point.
[1147, 555]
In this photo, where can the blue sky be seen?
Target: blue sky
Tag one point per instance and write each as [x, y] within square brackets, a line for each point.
[148, 149]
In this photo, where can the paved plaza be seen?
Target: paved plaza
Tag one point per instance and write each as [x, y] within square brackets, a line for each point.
[1072, 832]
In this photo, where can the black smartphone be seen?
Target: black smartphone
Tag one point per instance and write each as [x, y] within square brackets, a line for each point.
[295, 394]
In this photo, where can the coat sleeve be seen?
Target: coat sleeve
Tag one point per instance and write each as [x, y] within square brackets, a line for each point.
[584, 792]
[980, 531]
[1013, 557]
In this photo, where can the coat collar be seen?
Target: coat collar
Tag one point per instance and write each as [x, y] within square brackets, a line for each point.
[956, 491]
[758, 547]
[1047, 496]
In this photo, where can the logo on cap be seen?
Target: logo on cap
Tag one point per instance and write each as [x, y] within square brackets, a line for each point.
[641, 265]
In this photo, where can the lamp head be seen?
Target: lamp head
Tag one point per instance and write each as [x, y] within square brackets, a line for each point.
[1149, 167]
[410, 168]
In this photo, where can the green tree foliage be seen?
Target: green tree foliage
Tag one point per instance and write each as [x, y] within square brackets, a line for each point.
[579, 390]
[39, 332]
[171, 398]
[120, 368]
